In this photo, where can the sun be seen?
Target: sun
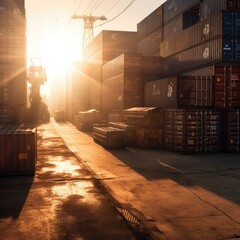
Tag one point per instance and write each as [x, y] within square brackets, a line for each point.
[59, 51]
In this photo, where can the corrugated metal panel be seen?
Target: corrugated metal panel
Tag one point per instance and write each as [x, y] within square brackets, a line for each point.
[212, 27]
[109, 45]
[231, 130]
[192, 131]
[227, 86]
[18, 150]
[173, 27]
[172, 8]
[151, 23]
[214, 51]
[180, 92]
[161, 93]
[150, 45]
[13, 91]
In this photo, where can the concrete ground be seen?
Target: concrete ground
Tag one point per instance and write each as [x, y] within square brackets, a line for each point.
[62, 200]
[174, 196]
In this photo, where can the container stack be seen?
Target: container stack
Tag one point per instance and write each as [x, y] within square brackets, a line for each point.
[122, 85]
[109, 45]
[13, 86]
[199, 80]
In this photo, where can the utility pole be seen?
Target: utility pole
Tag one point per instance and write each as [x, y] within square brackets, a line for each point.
[88, 34]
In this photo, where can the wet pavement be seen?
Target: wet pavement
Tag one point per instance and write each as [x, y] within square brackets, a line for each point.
[173, 196]
[62, 200]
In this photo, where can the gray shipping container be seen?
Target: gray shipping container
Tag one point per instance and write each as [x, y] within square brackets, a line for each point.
[151, 23]
[180, 92]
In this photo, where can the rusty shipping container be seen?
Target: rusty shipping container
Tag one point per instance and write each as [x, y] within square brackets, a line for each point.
[231, 130]
[226, 83]
[180, 92]
[18, 150]
[122, 85]
[221, 24]
[150, 24]
[192, 131]
[109, 44]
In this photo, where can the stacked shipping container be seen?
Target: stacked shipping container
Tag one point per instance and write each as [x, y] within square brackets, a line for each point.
[199, 69]
[13, 87]
[122, 85]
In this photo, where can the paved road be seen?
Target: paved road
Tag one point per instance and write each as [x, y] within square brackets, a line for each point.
[62, 200]
[175, 196]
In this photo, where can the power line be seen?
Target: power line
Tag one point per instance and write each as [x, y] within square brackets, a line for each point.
[129, 5]
[112, 7]
[96, 6]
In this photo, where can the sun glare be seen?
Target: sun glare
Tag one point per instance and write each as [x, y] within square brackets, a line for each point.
[59, 51]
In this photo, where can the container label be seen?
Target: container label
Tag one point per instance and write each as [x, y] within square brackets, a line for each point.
[155, 90]
[22, 156]
[170, 90]
[206, 29]
[206, 53]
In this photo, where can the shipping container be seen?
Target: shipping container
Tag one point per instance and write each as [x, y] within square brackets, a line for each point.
[150, 45]
[173, 27]
[109, 44]
[221, 24]
[172, 8]
[109, 137]
[226, 83]
[211, 7]
[180, 92]
[18, 150]
[231, 130]
[227, 86]
[218, 50]
[144, 117]
[13, 91]
[192, 131]
[122, 85]
[151, 23]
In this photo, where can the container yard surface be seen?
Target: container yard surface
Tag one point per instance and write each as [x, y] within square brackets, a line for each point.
[62, 200]
[173, 196]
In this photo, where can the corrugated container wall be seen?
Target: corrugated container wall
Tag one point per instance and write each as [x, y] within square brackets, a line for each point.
[180, 92]
[18, 150]
[122, 85]
[109, 45]
[231, 130]
[172, 8]
[13, 85]
[151, 23]
[221, 24]
[192, 131]
[226, 83]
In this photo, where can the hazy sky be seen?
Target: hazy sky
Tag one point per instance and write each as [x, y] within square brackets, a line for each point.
[48, 21]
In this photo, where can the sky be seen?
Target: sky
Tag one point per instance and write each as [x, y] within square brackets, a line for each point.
[52, 35]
